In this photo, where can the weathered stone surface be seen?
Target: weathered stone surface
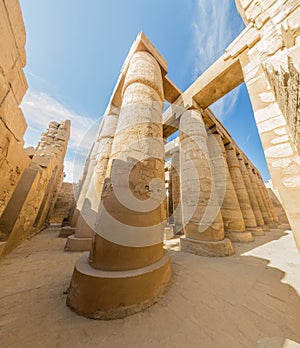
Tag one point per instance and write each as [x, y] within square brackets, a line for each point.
[226, 195]
[63, 205]
[13, 161]
[133, 196]
[202, 218]
[32, 200]
[240, 188]
[205, 248]
[252, 196]
[274, 196]
[85, 226]
[271, 72]
[175, 193]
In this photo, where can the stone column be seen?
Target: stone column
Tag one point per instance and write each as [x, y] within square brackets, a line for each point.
[84, 182]
[234, 224]
[85, 227]
[280, 151]
[252, 196]
[241, 191]
[127, 268]
[266, 199]
[269, 201]
[260, 201]
[175, 192]
[170, 198]
[202, 221]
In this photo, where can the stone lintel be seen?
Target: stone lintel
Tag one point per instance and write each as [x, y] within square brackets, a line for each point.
[142, 43]
[171, 91]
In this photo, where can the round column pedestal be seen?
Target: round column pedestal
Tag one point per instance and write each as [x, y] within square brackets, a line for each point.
[111, 295]
[256, 231]
[239, 237]
[207, 248]
[265, 228]
[273, 224]
[74, 243]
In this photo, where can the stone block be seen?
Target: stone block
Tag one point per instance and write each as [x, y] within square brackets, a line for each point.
[8, 49]
[12, 116]
[17, 80]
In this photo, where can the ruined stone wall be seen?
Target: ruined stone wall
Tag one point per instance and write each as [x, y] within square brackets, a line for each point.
[280, 21]
[64, 204]
[30, 205]
[268, 51]
[13, 85]
[53, 144]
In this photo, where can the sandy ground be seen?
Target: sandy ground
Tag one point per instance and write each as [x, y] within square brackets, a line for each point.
[248, 300]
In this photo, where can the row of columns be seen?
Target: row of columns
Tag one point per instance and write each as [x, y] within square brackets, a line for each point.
[223, 198]
[217, 198]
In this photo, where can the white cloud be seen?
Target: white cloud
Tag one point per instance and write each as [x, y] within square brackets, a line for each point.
[40, 109]
[225, 106]
[214, 29]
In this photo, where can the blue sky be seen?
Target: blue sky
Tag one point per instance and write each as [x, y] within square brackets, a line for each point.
[75, 49]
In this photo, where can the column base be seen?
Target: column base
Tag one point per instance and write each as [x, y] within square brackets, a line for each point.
[111, 295]
[207, 248]
[169, 232]
[66, 231]
[78, 244]
[256, 231]
[265, 228]
[273, 224]
[239, 236]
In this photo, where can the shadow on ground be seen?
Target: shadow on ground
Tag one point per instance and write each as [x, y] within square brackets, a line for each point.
[237, 301]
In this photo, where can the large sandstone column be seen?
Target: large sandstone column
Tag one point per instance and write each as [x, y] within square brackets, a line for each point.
[252, 196]
[269, 201]
[175, 192]
[234, 224]
[260, 201]
[241, 191]
[84, 182]
[266, 200]
[85, 227]
[127, 267]
[202, 220]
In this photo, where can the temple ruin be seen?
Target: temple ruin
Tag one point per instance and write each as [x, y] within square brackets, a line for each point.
[31, 178]
[155, 175]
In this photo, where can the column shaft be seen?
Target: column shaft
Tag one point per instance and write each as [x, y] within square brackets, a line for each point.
[260, 201]
[234, 224]
[202, 220]
[241, 191]
[127, 267]
[252, 196]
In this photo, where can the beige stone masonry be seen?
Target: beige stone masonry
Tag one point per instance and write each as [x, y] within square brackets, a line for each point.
[202, 219]
[240, 189]
[252, 197]
[127, 248]
[85, 227]
[234, 224]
